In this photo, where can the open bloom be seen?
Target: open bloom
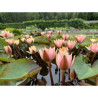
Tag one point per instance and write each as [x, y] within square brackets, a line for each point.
[30, 41]
[50, 32]
[70, 44]
[8, 49]
[63, 50]
[9, 41]
[47, 54]
[43, 34]
[27, 36]
[93, 40]
[32, 50]
[58, 43]
[16, 42]
[6, 34]
[64, 61]
[59, 32]
[93, 48]
[80, 38]
[48, 35]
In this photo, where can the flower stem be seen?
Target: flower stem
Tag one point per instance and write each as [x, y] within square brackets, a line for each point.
[49, 65]
[79, 49]
[93, 58]
[63, 77]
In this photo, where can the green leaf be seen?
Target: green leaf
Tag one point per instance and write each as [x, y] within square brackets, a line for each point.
[84, 70]
[19, 69]
[2, 44]
[4, 59]
[41, 40]
[86, 42]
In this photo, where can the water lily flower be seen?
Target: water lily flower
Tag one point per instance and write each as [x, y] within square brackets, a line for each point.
[70, 44]
[9, 41]
[8, 49]
[80, 38]
[64, 61]
[43, 34]
[93, 40]
[16, 42]
[58, 43]
[6, 34]
[50, 32]
[93, 48]
[30, 41]
[27, 36]
[63, 50]
[47, 54]
[59, 32]
[48, 35]
[23, 40]
[65, 37]
[32, 50]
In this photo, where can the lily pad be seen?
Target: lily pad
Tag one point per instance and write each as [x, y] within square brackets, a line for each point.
[2, 44]
[19, 69]
[86, 42]
[84, 70]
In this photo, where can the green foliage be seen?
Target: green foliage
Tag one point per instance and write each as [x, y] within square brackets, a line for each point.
[19, 69]
[84, 70]
[2, 44]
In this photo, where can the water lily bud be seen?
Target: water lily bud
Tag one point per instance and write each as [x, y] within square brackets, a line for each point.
[32, 50]
[8, 49]
[64, 61]
[80, 38]
[72, 75]
[58, 43]
[50, 32]
[48, 35]
[27, 36]
[93, 48]
[23, 40]
[59, 32]
[70, 44]
[30, 41]
[93, 40]
[47, 54]
[9, 41]
[16, 42]
[43, 34]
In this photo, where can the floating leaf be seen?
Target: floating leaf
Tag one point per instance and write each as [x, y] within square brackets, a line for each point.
[19, 69]
[84, 84]
[84, 70]
[2, 44]
[4, 59]
[86, 42]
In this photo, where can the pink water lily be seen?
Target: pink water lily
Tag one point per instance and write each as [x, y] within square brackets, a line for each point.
[43, 34]
[47, 54]
[80, 38]
[27, 36]
[48, 35]
[58, 43]
[9, 41]
[30, 41]
[59, 32]
[64, 61]
[50, 32]
[70, 44]
[32, 50]
[8, 49]
[65, 37]
[6, 34]
[93, 48]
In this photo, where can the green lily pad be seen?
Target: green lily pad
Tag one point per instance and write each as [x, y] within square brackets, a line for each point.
[86, 42]
[19, 69]
[4, 59]
[84, 70]
[2, 44]
[41, 40]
